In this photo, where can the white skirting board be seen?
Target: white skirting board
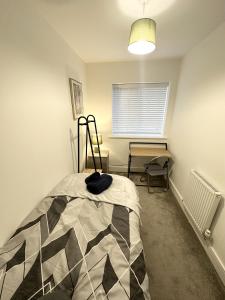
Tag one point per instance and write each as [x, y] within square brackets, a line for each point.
[210, 251]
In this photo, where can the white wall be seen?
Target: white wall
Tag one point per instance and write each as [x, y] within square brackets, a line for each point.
[35, 110]
[101, 76]
[197, 138]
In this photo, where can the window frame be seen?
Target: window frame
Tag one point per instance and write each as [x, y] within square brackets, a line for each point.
[139, 136]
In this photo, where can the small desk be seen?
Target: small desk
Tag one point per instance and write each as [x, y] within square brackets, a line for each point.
[147, 151]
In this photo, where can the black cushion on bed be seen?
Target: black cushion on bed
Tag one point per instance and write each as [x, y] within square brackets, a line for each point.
[56, 295]
[94, 176]
[100, 184]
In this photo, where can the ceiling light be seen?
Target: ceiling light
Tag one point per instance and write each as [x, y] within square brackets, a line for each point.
[142, 36]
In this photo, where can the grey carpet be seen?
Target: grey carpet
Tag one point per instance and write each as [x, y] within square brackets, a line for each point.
[176, 262]
[138, 178]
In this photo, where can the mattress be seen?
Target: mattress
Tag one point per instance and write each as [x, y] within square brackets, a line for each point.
[86, 246]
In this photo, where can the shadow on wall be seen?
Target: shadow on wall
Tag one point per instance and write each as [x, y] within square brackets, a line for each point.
[73, 143]
[218, 213]
[74, 152]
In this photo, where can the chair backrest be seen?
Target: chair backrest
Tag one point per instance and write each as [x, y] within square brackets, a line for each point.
[160, 160]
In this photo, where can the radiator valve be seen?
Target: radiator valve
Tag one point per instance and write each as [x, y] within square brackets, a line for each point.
[207, 234]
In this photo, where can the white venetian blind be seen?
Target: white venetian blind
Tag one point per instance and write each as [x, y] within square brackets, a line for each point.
[139, 109]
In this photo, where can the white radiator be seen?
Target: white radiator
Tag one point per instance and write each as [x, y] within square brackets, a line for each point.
[201, 203]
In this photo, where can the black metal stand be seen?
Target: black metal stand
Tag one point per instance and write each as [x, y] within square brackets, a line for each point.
[85, 121]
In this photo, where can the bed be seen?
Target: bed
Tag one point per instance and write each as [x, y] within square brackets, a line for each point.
[87, 246]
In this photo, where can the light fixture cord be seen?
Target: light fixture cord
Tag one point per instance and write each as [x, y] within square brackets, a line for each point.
[144, 2]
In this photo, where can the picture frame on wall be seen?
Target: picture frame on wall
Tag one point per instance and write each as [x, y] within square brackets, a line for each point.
[76, 97]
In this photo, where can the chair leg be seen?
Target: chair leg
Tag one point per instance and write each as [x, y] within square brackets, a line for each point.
[168, 182]
[166, 179]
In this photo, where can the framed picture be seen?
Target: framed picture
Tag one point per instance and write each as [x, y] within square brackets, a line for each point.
[76, 97]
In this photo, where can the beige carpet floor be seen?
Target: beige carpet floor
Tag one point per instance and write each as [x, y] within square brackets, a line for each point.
[177, 265]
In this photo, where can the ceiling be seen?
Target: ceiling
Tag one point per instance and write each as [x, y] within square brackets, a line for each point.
[98, 30]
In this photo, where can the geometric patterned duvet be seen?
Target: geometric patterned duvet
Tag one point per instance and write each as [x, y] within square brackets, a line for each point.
[90, 249]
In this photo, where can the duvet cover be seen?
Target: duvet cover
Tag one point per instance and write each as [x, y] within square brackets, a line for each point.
[86, 245]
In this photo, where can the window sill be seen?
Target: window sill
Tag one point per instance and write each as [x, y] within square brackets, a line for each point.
[138, 137]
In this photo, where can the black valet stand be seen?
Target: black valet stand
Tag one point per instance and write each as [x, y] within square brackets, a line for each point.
[87, 121]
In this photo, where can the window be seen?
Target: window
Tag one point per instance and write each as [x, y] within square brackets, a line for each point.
[139, 109]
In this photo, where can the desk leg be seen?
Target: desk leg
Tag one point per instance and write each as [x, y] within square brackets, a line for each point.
[129, 164]
[167, 180]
